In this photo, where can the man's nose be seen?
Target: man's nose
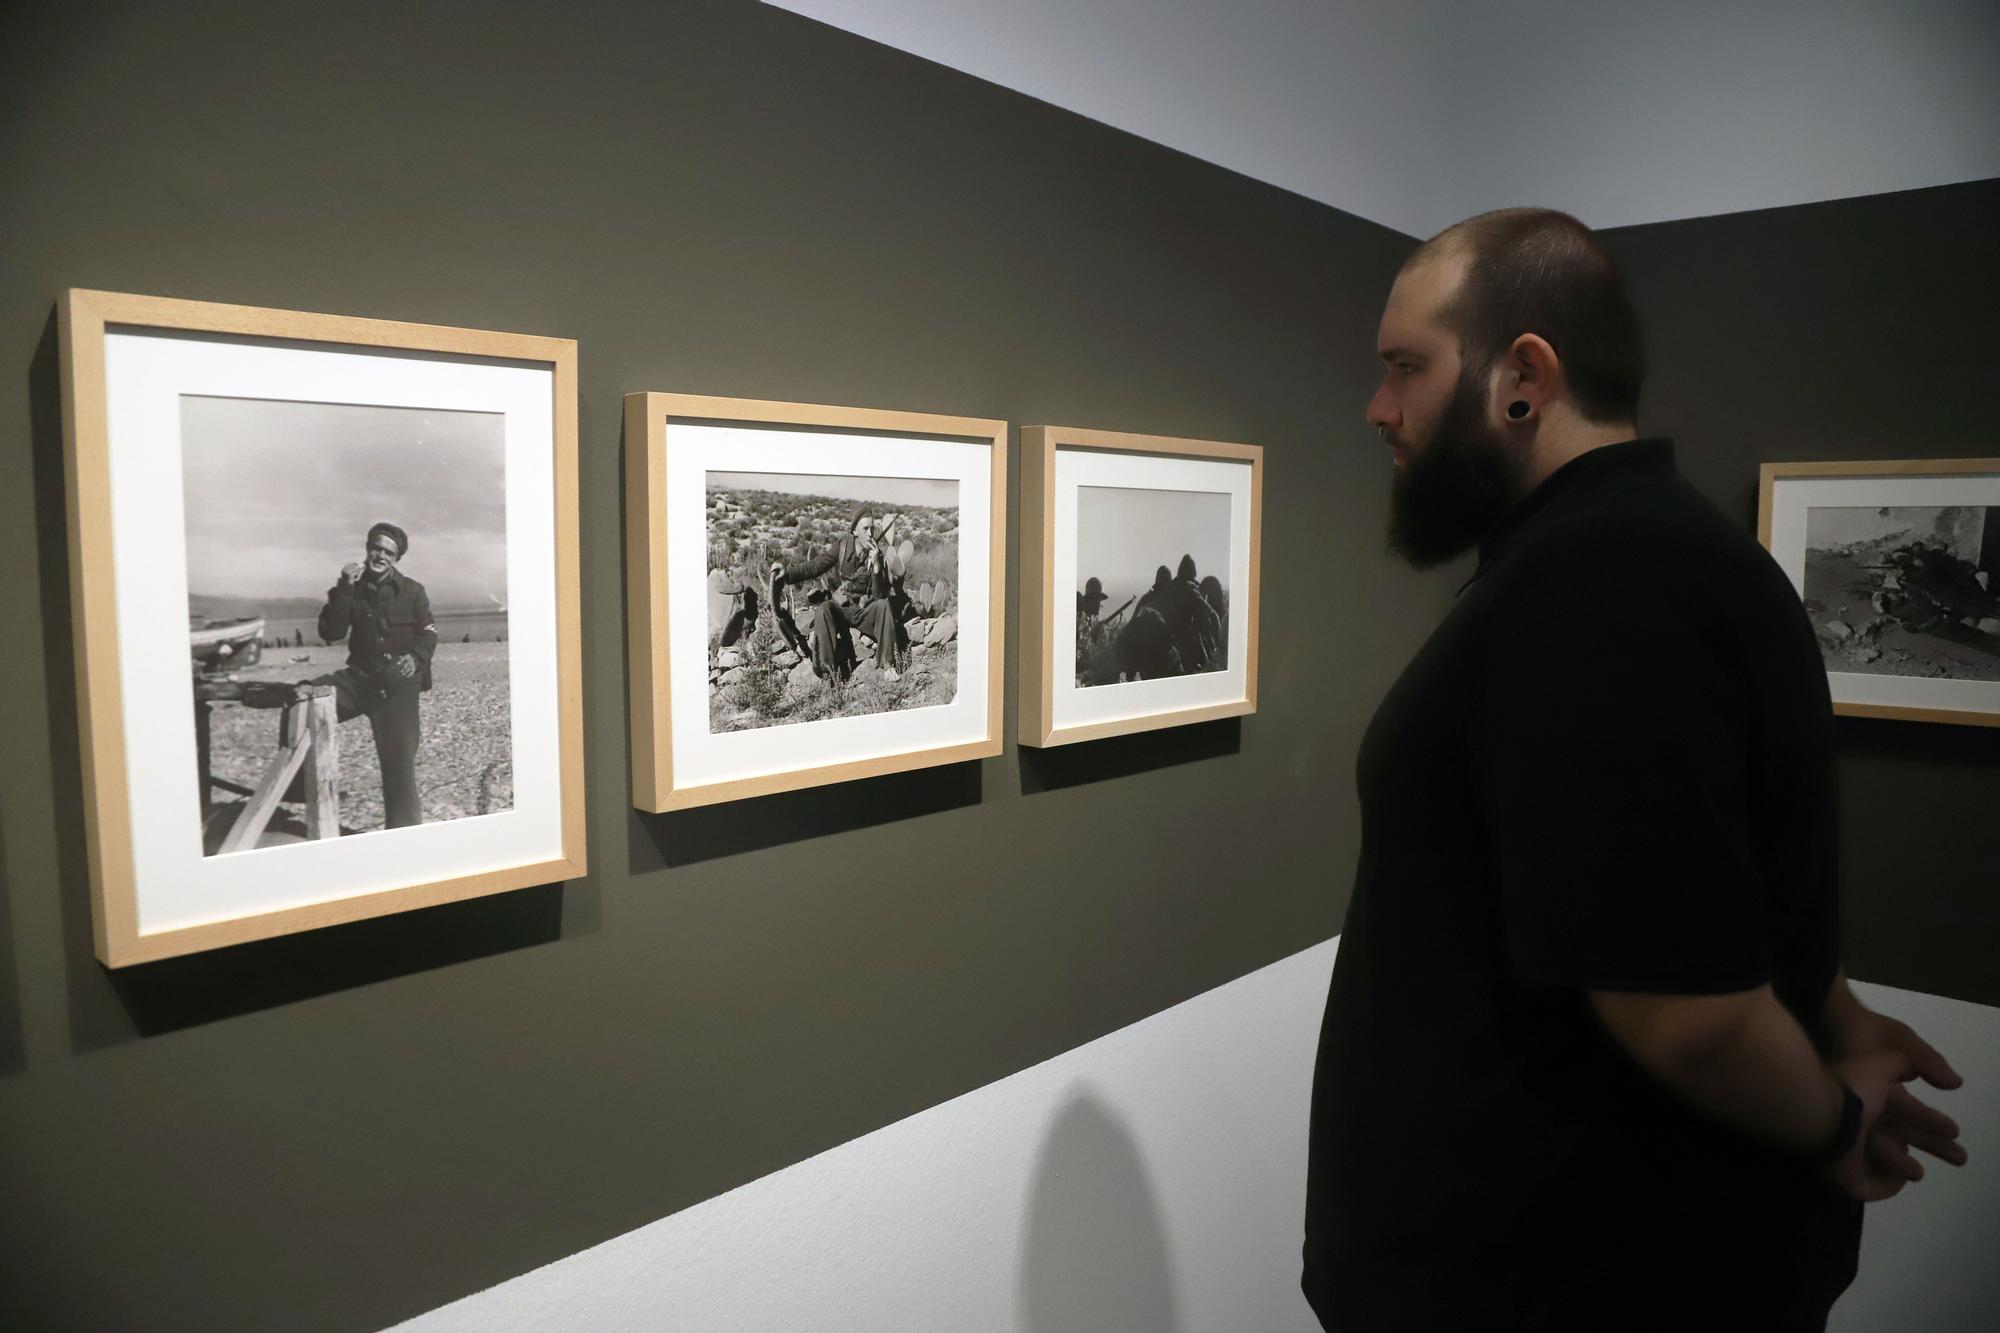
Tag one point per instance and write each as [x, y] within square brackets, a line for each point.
[1382, 412]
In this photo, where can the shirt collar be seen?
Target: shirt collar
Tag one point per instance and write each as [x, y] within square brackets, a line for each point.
[1632, 458]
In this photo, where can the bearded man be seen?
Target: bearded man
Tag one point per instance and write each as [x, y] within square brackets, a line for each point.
[1589, 1058]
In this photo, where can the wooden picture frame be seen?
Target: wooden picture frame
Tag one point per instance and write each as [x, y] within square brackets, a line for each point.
[1898, 562]
[134, 371]
[1058, 704]
[688, 748]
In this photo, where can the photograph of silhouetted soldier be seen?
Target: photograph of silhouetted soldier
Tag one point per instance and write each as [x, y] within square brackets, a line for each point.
[385, 617]
[1090, 603]
[1176, 623]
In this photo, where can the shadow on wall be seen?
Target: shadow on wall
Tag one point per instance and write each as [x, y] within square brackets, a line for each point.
[12, 1044]
[1093, 1253]
[1115, 757]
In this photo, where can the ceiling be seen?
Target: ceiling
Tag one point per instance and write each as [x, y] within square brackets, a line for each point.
[1419, 113]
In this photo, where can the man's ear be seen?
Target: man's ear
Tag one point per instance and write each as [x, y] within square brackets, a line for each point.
[1533, 367]
[1531, 375]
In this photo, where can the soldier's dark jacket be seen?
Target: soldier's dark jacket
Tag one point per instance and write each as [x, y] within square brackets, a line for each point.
[843, 570]
[381, 621]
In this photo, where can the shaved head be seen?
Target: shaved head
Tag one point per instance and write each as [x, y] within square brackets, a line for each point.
[1534, 270]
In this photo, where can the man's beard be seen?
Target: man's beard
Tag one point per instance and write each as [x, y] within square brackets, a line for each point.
[1450, 491]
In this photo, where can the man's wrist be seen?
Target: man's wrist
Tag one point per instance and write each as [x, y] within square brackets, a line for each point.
[1847, 1127]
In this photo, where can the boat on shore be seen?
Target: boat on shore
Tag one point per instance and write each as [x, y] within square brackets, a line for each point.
[224, 645]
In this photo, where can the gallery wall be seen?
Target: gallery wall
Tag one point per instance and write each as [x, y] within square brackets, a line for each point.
[345, 1128]
[1857, 329]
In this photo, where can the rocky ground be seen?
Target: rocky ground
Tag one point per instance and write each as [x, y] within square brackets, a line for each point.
[762, 683]
[1854, 636]
[464, 764]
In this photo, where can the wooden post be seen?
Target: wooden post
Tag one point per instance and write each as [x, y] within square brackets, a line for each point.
[278, 774]
[201, 758]
[322, 766]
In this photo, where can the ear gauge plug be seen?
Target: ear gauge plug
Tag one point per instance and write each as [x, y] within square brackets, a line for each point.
[1517, 409]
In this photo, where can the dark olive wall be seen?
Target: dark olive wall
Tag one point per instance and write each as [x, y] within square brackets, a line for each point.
[343, 1128]
[1864, 328]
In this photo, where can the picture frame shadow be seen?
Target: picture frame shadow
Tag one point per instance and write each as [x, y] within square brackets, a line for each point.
[1109, 758]
[678, 838]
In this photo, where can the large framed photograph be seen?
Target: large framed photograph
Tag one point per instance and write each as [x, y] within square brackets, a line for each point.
[324, 579]
[815, 593]
[1139, 582]
[1899, 567]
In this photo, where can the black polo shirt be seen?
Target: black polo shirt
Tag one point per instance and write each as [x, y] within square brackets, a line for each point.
[1610, 768]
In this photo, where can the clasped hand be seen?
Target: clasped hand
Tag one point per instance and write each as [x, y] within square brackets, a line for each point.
[1880, 1056]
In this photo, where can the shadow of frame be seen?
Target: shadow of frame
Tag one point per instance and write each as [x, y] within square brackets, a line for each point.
[705, 833]
[1123, 756]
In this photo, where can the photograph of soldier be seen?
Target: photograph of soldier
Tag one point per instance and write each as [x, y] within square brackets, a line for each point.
[1906, 591]
[829, 596]
[1173, 622]
[385, 619]
[275, 494]
[853, 592]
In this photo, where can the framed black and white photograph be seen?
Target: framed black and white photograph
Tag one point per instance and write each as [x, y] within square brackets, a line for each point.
[814, 597]
[325, 581]
[1139, 566]
[829, 596]
[1898, 564]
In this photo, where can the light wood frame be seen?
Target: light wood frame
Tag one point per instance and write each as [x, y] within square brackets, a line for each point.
[83, 318]
[1040, 602]
[646, 418]
[1768, 477]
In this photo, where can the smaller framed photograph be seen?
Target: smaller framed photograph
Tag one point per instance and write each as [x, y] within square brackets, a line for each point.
[815, 593]
[1898, 564]
[324, 580]
[1139, 582]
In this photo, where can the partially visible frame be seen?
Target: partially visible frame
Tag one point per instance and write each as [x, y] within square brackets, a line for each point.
[1080, 680]
[1898, 563]
[698, 736]
[131, 365]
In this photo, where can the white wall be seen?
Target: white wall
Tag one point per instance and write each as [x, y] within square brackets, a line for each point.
[1330, 98]
[1416, 115]
[1632, 112]
[1152, 1181]
[1927, 1255]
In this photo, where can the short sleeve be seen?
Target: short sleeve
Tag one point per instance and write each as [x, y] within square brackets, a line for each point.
[1612, 755]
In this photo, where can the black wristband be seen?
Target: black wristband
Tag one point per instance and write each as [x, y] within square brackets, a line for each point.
[1849, 1130]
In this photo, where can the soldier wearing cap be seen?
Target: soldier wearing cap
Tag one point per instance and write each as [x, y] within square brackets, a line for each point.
[1196, 628]
[1090, 602]
[385, 616]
